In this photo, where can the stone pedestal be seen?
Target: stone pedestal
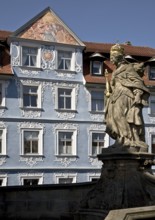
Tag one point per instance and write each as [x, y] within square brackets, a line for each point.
[126, 181]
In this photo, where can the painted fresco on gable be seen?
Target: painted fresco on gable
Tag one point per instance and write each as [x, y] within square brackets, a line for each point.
[48, 28]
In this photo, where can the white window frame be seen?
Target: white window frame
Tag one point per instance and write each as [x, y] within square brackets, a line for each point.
[72, 62]
[91, 176]
[91, 136]
[38, 97]
[4, 179]
[73, 106]
[40, 142]
[90, 107]
[66, 175]
[38, 57]
[152, 77]
[3, 103]
[106, 140]
[31, 176]
[100, 67]
[3, 140]
[74, 142]
[151, 99]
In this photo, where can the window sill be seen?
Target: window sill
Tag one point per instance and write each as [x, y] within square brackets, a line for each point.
[31, 109]
[66, 110]
[65, 71]
[31, 155]
[66, 155]
[95, 112]
[31, 68]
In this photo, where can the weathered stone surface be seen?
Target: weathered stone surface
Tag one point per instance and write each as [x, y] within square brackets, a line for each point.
[126, 181]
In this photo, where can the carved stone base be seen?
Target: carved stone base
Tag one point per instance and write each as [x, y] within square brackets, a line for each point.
[126, 181]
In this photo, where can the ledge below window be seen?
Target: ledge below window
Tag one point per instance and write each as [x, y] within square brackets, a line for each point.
[31, 109]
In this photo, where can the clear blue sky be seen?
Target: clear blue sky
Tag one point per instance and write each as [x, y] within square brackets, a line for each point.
[107, 21]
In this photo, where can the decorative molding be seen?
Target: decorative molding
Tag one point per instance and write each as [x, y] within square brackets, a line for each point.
[31, 161]
[15, 54]
[97, 117]
[65, 126]
[95, 162]
[2, 160]
[2, 112]
[31, 113]
[152, 119]
[65, 75]
[30, 125]
[151, 129]
[78, 61]
[29, 72]
[96, 127]
[48, 57]
[66, 161]
[66, 115]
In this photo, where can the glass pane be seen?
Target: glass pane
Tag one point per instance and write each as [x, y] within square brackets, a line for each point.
[61, 102]
[152, 72]
[152, 106]
[26, 101]
[30, 182]
[34, 101]
[96, 67]
[26, 147]
[0, 146]
[0, 94]
[34, 147]
[1, 182]
[97, 102]
[68, 103]
[65, 180]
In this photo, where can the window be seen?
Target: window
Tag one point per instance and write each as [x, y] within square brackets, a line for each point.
[31, 179]
[64, 98]
[30, 182]
[2, 141]
[29, 56]
[97, 143]
[31, 96]
[152, 72]
[2, 94]
[93, 177]
[3, 180]
[65, 178]
[152, 104]
[153, 144]
[32, 142]
[66, 143]
[97, 101]
[64, 60]
[96, 67]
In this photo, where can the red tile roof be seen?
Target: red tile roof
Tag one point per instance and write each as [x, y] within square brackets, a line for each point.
[4, 35]
[129, 49]
[5, 68]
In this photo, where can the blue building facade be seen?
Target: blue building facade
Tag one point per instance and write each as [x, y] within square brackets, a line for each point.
[51, 115]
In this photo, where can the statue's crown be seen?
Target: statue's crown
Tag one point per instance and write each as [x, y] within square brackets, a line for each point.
[117, 48]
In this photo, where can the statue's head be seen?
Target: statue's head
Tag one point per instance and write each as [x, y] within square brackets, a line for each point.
[116, 53]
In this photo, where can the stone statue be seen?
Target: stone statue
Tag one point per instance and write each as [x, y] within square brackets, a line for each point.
[126, 95]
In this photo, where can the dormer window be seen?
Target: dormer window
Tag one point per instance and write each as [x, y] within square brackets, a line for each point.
[151, 68]
[29, 56]
[96, 67]
[96, 64]
[152, 72]
[64, 60]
